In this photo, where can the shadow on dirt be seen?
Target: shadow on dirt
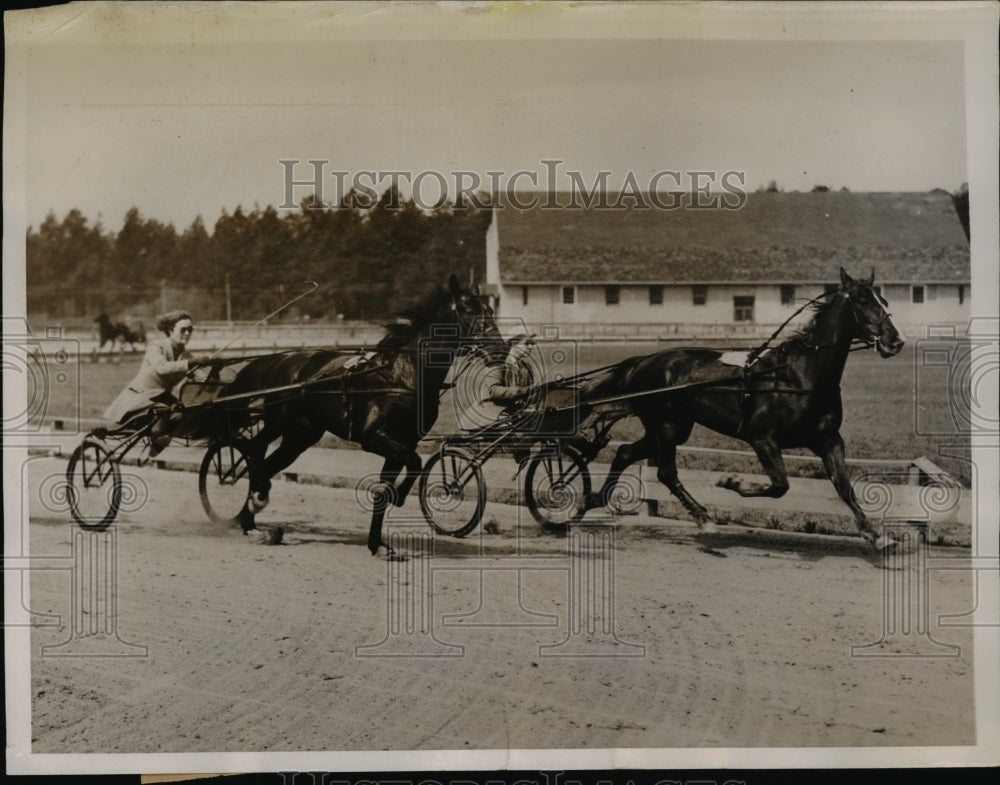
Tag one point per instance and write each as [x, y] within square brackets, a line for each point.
[508, 542]
[532, 541]
[806, 547]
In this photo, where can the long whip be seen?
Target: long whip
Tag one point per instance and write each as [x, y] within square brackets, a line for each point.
[313, 286]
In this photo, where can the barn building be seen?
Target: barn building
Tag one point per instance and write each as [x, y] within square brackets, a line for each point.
[689, 272]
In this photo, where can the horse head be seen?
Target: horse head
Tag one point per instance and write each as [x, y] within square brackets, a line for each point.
[448, 317]
[474, 315]
[868, 309]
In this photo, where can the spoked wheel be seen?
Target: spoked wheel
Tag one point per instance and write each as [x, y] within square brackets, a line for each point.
[94, 485]
[556, 483]
[224, 481]
[452, 493]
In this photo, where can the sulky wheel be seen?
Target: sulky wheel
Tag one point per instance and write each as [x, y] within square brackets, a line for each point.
[94, 485]
[224, 481]
[556, 484]
[452, 492]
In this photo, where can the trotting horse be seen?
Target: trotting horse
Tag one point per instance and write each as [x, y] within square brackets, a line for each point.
[785, 397]
[386, 405]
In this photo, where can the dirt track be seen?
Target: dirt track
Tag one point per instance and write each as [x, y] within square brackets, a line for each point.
[746, 638]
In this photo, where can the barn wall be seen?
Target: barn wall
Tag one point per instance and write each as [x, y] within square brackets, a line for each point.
[545, 304]
[941, 305]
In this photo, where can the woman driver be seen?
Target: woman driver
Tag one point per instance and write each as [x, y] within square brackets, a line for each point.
[164, 365]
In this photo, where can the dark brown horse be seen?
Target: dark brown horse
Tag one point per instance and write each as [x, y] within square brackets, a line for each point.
[788, 396]
[385, 404]
[118, 333]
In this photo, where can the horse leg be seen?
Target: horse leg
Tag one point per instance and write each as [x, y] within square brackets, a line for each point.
[259, 484]
[770, 458]
[260, 481]
[413, 466]
[384, 494]
[293, 444]
[262, 468]
[832, 453]
[397, 456]
[667, 474]
[625, 456]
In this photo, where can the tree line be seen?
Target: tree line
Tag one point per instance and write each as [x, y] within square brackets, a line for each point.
[369, 260]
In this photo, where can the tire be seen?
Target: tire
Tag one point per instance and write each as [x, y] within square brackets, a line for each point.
[556, 483]
[94, 486]
[452, 493]
[224, 481]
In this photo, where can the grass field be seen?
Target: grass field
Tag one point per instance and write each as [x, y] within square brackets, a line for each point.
[880, 407]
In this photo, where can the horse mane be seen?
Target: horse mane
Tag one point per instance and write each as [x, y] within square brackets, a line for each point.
[818, 308]
[413, 320]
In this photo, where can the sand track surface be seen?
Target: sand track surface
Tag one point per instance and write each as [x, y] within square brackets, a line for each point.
[641, 635]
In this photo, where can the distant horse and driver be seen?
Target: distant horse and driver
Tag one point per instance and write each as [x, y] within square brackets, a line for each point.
[117, 334]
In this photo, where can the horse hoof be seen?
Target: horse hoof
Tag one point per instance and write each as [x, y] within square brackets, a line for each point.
[257, 502]
[246, 521]
[708, 527]
[390, 554]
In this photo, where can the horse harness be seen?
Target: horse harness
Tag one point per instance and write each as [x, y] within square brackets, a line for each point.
[746, 374]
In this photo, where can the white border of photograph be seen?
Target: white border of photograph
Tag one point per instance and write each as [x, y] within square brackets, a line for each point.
[974, 24]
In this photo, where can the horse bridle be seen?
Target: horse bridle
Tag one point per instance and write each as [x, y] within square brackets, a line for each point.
[875, 329]
[487, 312]
[869, 341]
[473, 347]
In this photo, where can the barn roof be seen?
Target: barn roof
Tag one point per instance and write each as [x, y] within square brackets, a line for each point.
[776, 237]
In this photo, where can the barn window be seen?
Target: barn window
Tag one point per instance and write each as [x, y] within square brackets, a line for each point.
[699, 294]
[568, 295]
[787, 294]
[961, 294]
[743, 309]
[918, 294]
[524, 295]
[612, 295]
[656, 295]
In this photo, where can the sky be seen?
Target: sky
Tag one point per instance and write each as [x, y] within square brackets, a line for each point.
[181, 123]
